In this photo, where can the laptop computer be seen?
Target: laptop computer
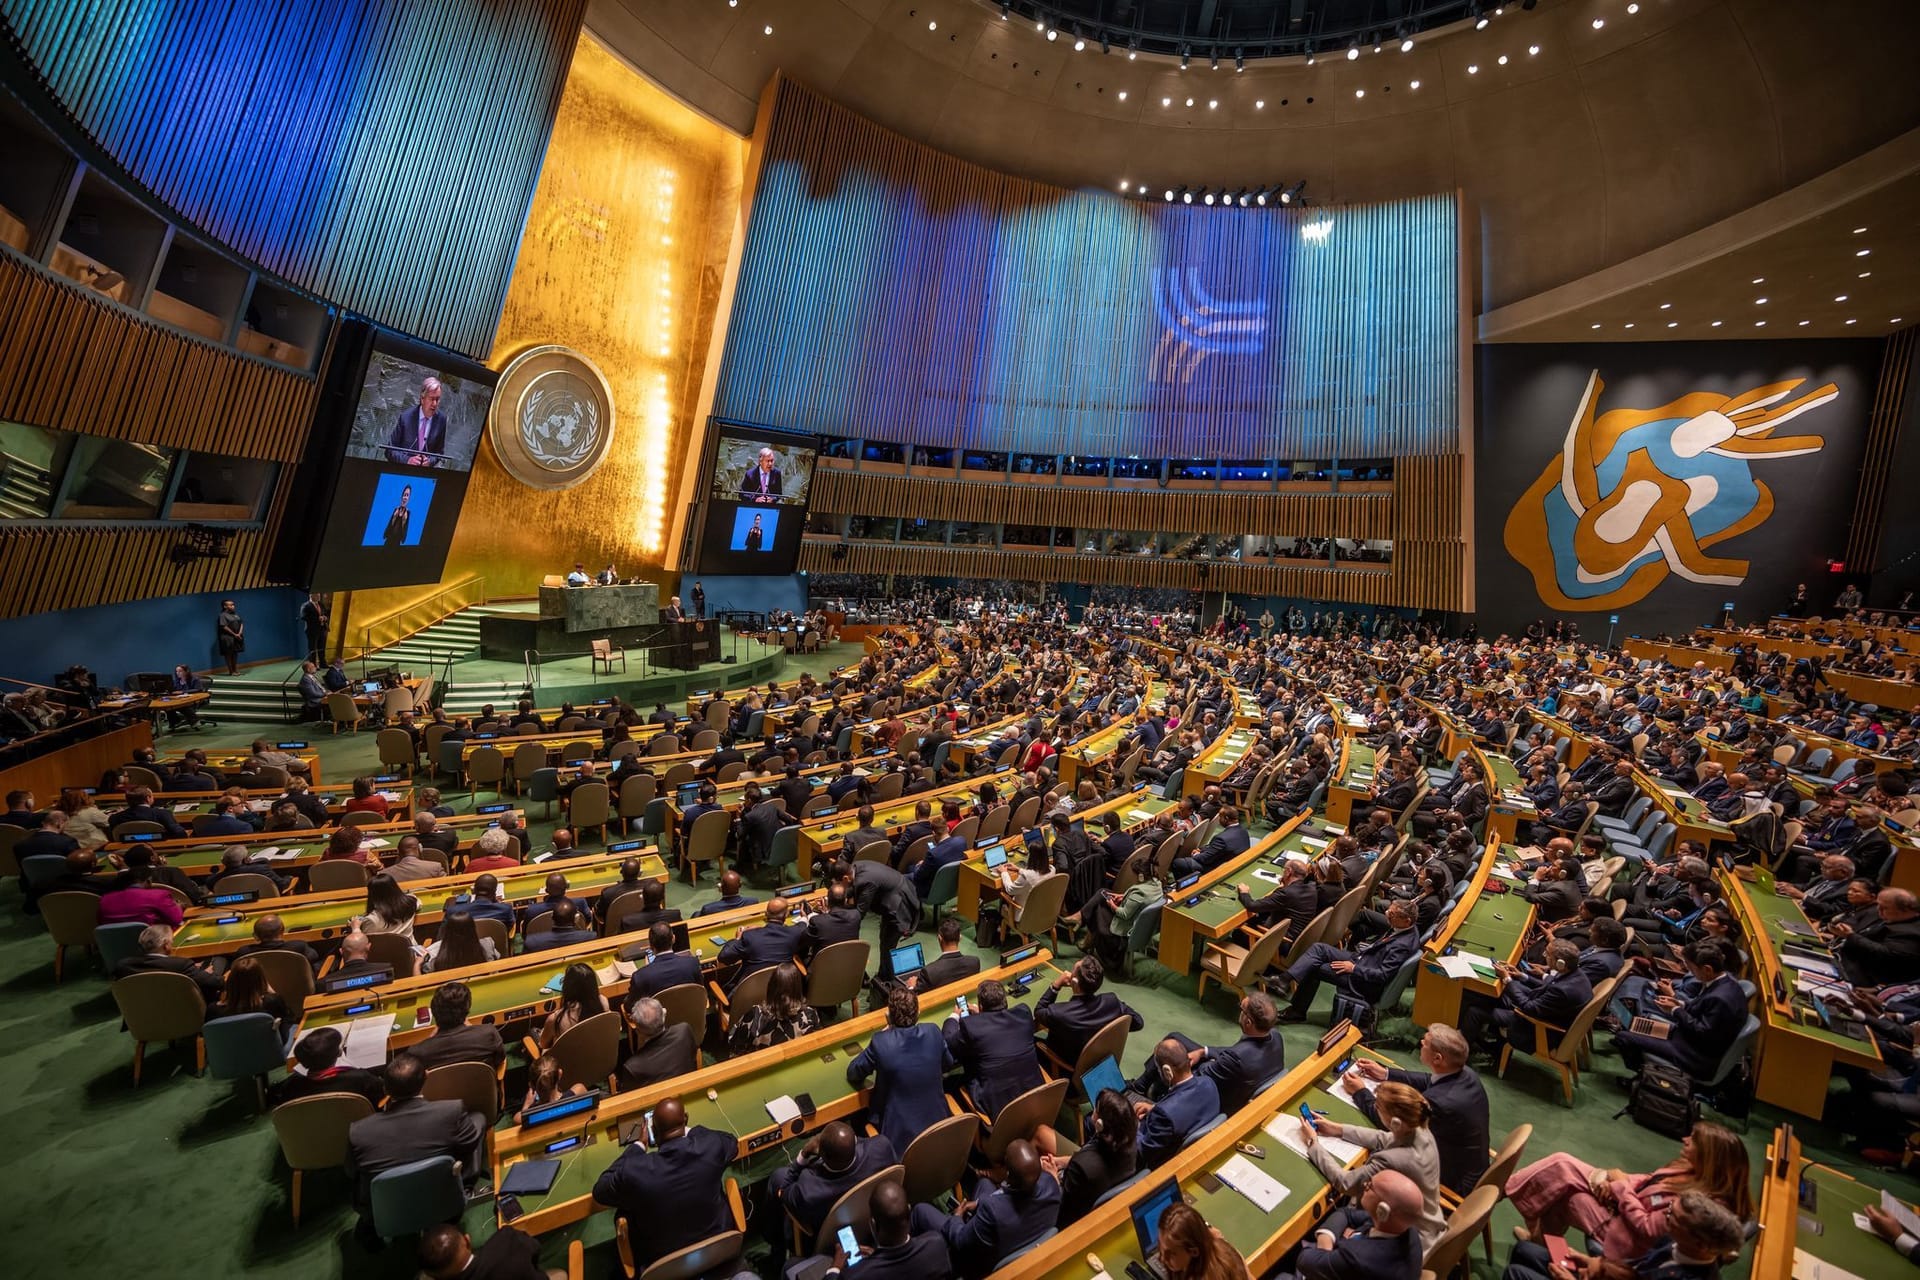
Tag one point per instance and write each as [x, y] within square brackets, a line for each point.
[996, 857]
[908, 960]
[1104, 1074]
[1147, 1211]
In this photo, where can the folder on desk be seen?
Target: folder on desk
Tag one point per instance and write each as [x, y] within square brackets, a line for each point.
[530, 1178]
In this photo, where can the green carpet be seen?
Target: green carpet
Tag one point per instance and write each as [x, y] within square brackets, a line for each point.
[183, 1177]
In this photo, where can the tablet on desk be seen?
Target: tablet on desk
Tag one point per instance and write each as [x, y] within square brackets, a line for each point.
[530, 1178]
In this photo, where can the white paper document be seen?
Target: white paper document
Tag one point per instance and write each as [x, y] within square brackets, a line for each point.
[1503, 873]
[1807, 964]
[377, 842]
[783, 1109]
[364, 1041]
[1312, 842]
[1286, 1128]
[1808, 1267]
[1902, 1213]
[1252, 1182]
[1338, 1089]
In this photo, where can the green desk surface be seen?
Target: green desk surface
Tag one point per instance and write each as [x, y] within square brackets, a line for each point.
[1505, 776]
[1772, 912]
[1359, 760]
[1097, 745]
[1220, 903]
[1235, 746]
[1840, 1243]
[897, 813]
[589, 876]
[1236, 1217]
[198, 862]
[1495, 923]
[739, 1106]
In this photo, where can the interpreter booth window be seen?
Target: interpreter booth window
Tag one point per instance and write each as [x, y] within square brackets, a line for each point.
[1035, 464]
[1191, 469]
[826, 522]
[1130, 542]
[972, 533]
[940, 459]
[883, 451]
[872, 528]
[1136, 468]
[1063, 538]
[1252, 472]
[923, 530]
[1189, 546]
[847, 447]
[217, 487]
[1026, 536]
[1084, 467]
[116, 480]
[1367, 470]
[986, 463]
[32, 460]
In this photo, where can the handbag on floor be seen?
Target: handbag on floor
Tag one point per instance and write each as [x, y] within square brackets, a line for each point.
[1661, 1098]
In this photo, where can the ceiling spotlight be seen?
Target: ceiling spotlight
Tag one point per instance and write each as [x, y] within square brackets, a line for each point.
[1105, 47]
[1759, 280]
[1208, 198]
[1482, 24]
[767, 30]
[1239, 60]
[1759, 324]
[1532, 49]
[1353, 51]
[1213, 104]
[1053, 33]
[1292, 193]
[1673, 324]
[1853, 322]
[1503, 59]
[1414, 85]
[1473, 68]
[1633, 8]
[1123, 95]
[1841, 298]
[1169, 195]
[1861, 253]
[1858, 230]
[1214, 65]
[1186, 197]
[1406, 46]
[1805, 323]
[1079, 43]
[1259, 104]
[1359, 93]
[1716, 324]
[1133, 48]
[1666, 306]
[1759, 302]
[1596, 326]
[1166, 102]
[1865, 274]
[1039, 24]
[1599, 23]
[1125, 185]
[933, 26]
[1189, 101]
[1006, 11]
[1260, 198]
[1628, 325]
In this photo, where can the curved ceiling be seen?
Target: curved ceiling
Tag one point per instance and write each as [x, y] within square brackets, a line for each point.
[1237, 30]
[1582, 134]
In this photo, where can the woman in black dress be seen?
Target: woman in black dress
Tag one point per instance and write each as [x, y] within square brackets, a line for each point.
[402, 517]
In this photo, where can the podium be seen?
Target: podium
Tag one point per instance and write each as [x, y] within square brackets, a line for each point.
[689, 644]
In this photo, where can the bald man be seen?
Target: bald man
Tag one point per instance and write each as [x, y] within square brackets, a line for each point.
[833, 1162]
[673, 1195]
[1375, 1241]
[1005, 1218]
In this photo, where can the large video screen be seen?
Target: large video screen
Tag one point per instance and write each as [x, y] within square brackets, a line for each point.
[757, 503]
[416, 423]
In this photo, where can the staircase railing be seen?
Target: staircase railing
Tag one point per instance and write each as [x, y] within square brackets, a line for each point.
[421, 614]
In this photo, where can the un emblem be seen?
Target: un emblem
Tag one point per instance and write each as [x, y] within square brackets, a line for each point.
[552, 418]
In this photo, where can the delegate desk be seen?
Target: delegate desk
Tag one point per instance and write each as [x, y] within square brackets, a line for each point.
[1213, 765]
[1262, 1237]
[311, 917]
[152, 706]
[1353, 780]
[818, 836]
[1484, 926]
[1797, 1054]
[1136, 807]
[1211, 909]
[741, 1088]
[1687, 812]
[199, 856]
[1817, 1242]
[186, 805]
[235, 761]
[1506, 803]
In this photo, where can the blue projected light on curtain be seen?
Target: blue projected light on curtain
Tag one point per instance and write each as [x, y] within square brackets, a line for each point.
[891, 292]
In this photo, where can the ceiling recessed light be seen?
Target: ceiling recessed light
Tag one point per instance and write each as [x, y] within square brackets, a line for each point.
[1353, 53]
[1166, 102]
[1759, 302]
[1414, 85]
[933, 26]
[1532, 49]
[1840, 298]
[1865, 274]
[1123, 95]
[1861, 253]
[1359, 93]
[1853, 322]
[1503, 59]
[1473, 69]
[1596, 326]
[1666, 306]
[1805, 323]
[1858, 230]
[1895, 320]
[1759, 279]
[1189, 101]
[1259, 104]
[1482, 24]
[1673, 324]
[1599, 23]
[1759, 324]
[1629, 324]
[1716, 324]
[1633, 8]
[767, 30]
[1406, 46]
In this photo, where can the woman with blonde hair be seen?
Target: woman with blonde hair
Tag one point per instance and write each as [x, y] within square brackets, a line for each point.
[1627, 1213]
[1190, 1249]
[87, 823]
[1405, 1144]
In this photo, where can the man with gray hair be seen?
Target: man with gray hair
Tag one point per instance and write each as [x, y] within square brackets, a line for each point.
[1459, 1120]
[665, 1050]
[156, 956]
[420, 433]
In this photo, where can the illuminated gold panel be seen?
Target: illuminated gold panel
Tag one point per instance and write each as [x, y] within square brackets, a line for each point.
[621, 260]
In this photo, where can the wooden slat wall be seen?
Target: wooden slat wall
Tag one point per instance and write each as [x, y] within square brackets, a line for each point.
[1422, 517]
[381, 154]
[1276, 515]
[72, 361]
[1883, 429]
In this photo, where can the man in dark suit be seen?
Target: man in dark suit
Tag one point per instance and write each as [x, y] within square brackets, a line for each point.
[420, 432]
[321, 1071]
[1069, 1026]
[838, 921]
[833, 1162]
[1002, 1219]
[1459, 1117]
[1189, 1102]
[555, 895]
[949, 850]
[922, 825]
[672, 1195]
[432, 835]
[773, 943]
[1376, 1241]
[1826, 897]
[629, 882]
[899, 1252]
[1239, 1069]
[762, 484]
[653, 909]
[1699, 1031]
[879, 890]
[1117, 845]
[1362, 973]
[665, 967]
[452, 1039]
[730, 899]
[1886, 948]
[411, 1128]
[951, 965]
[760, 821]
[663, 1050]
[995, 1048]
[1295, 903]
[156, 956]
[569, 925]
[269, 934]
[140, 808]
[1229, 842]
[483, 902]
[672, 611]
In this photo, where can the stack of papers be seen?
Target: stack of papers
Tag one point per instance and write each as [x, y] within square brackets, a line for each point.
[1252, 1182]
[1313, 843]
[185, 806]
[363, 1041]
[375, 842]
[1807, 964]
[1465, 964]
[1503, 873]
[1286, 1128]
[274, 853]
[618, 971]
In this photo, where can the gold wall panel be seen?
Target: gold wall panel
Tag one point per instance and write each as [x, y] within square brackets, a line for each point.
[622, 257]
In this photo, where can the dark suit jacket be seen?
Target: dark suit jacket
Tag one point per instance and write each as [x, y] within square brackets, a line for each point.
[1704, 1026]
[1459, 1121]
[1193, 1102]
[1880, 952]
[906, 1064]
[475, 1042]
[148, 813]
[673, 969]
[210, 986]
[557, 938]
[808, 1191]
[1071, 1024]
[1375, 963]
[412, 1130]
[824, 928]
[673, 1195]
[1297, 904]
[762, 947]
[300, 949]
[641, 921]
[923, 1257]
[948, 968]
[1091, 1173]
[1363, 1256]
[405, 440]
[750, 484]
[1001, 1223]
[671, 1053]
[880, 890]
[1227, 843]
[1238, 1069]
[997, 1052]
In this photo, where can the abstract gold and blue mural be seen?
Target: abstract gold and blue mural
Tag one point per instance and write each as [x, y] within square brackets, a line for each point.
[1638, 493]
[1645, 486]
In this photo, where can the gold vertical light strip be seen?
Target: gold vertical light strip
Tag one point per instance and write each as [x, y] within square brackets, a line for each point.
[1883, 429]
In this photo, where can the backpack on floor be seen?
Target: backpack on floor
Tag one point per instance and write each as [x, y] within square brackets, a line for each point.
[1661, 1098]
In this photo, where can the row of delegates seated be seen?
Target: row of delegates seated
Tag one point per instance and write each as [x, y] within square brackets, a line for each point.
[1700, 1235]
